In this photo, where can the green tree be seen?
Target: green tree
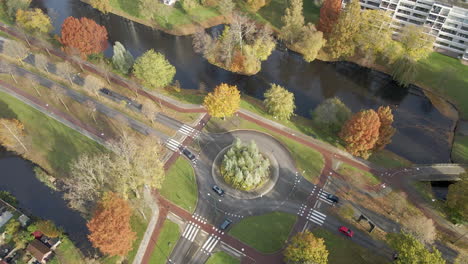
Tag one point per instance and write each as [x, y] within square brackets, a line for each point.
[101, 5]
[310, 43]
[293, 21]
[411, 251]
[244, 167]
[416, 43]
[154, 70]
[279, 102]
[305, 248]
[148, 8]
[331, 114]
[342, 40]
[34, 20]
[22, 238]
[223, 102]
[189, 5]
[12, 227]
[404, 70]
[457, 199]
[12, 6]
[375, 32]
[48, 228]
[122, 58]
[9, 198]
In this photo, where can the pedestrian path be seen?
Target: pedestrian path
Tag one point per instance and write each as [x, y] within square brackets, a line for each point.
[316, 217]
[210, 244]
[323, 197]
[191, 231]
[189, 131]
[173, 144]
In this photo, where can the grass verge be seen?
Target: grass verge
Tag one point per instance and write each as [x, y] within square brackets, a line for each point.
[266, 233]
[276, 9]
[67, 253]
[460, 149]
[180, 186]
[222, 258]
[166, 241]
[388, 159]
[358, 177]
[344, 251]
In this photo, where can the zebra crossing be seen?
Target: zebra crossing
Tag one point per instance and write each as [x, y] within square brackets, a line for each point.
[302, 210]
[189, 131]
[210, 243]
[173, 145]
[191, 231]
[316, 217]
[323, 197]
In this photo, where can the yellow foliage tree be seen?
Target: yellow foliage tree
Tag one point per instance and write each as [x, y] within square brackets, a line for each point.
[12, 135]
[34, 20]
[223, 101]
[101, 5]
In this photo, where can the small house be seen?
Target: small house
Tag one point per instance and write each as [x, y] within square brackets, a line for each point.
[39, 250]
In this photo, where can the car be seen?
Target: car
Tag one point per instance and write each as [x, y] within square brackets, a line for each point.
[187, 153]
[227, 222]
[218, 190]
[348, 232]
[333, 198]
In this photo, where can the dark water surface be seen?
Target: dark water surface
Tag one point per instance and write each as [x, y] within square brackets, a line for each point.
[422, 131]
[36, 199]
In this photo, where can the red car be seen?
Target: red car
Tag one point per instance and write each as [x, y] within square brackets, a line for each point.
[346, 231]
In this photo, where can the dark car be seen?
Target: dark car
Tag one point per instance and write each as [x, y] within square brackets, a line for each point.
[218, 190]
[333, 198]
[227, 222]
[187, 153]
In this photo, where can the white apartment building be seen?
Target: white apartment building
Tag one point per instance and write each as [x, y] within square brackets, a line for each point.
[449, 24]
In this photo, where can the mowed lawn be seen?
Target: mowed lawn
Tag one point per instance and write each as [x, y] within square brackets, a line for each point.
[52, 144]
[222, 258]
[358, 177]
[460, 149]
[344, 251]
[276, 9]
[267, 233]
[166, 241]
[180, 186]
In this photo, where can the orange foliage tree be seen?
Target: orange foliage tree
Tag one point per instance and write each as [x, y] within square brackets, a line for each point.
[110, 229]
[361, 132]
[83, 35]
[386, 131]
[329, 13]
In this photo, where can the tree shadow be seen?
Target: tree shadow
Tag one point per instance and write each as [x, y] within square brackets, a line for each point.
[6, 111]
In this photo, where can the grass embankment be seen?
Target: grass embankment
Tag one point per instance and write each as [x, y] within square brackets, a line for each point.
[166, 241]
[222, 258]
[180, 186]
[266, 233]
[52, 144]
[67, 253]
[344, 251]
[308, 161]
[358, 177]
[276, 9]
[460, 149]
[388, 159]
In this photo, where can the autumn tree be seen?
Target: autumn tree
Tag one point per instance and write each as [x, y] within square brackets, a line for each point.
[375, 33]
[59, 94]
[457, 199]
[66, 71]
[421, 228]
[293, 21]
[331, 114]
[34, 21]
[341, 41]
[279, 102]
[41, 62]
[226, 7]
[202, 43]
[310, 43]
[109, 228]
[101, 5]
[154, 70]
[122, 58]
[48, 228]
[329, 13]
[223, 102]
[304, 247]
[93, 84]
[361, 132]
[15, 50]
[12, 135]
[386, 130]
[12, 6]
[410, 250]
[83, 35]
[150, 110]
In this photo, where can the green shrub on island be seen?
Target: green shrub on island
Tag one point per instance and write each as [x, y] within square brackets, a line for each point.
[244, 167]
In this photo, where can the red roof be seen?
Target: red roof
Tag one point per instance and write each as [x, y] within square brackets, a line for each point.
[37, 234]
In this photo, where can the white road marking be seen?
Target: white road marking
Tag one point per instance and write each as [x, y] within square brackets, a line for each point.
[191, 231]
[316, 217]
[210, 244]
[173, 144]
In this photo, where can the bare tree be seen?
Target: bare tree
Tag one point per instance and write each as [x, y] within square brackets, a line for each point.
[42, 62]
[59, 94]
[242, 29]
[66, 70]
[202, 42]
[150, 109]
[93, 84]
[91, 106]
[15, 129]
[15, 50]
[35, 84]
[422, 228]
